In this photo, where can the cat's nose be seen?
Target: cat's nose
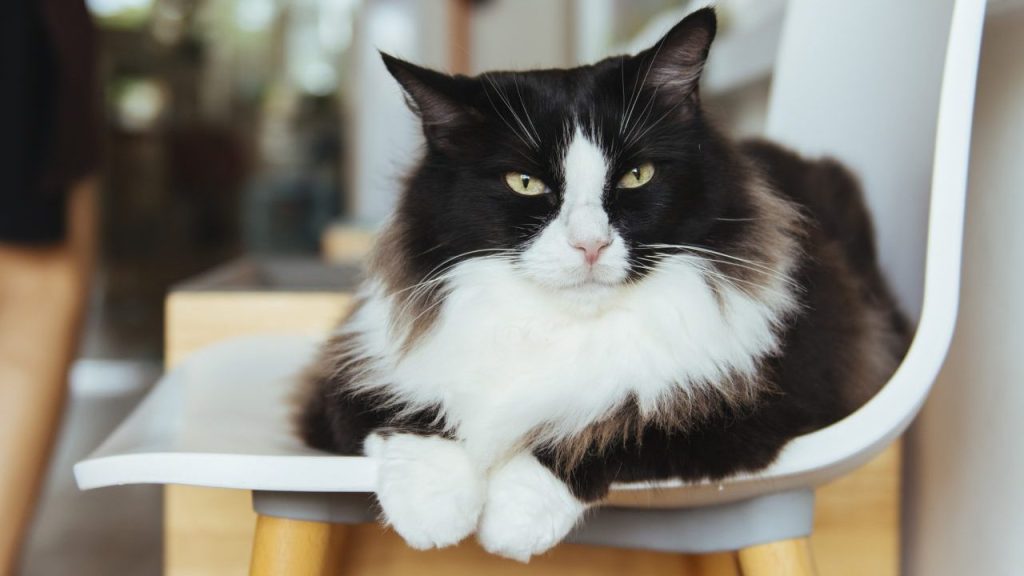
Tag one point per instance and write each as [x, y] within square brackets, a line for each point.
[591, 248]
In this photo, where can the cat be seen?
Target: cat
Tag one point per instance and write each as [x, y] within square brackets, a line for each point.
[585, 282]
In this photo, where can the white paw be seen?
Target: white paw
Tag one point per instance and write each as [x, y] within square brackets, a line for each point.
[528, 510]
[429, 490]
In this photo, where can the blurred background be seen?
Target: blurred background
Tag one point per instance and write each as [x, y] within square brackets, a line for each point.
[250, 126]
[269, 128]
[266, 128]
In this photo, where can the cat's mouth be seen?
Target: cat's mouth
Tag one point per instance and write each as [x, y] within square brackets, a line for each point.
[592, 281]
[588, 297]
[588, 284]
[556, 264]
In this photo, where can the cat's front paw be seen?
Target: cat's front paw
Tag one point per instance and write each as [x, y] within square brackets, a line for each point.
[528, 510]
[429, 490]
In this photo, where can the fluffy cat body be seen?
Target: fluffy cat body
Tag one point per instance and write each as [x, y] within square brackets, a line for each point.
[522, 365]
[518, 348]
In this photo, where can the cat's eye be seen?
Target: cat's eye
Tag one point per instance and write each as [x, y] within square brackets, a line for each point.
[525, 184]
[637, 176]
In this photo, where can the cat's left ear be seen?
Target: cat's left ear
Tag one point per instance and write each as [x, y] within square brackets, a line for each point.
[438, 99]
[673, 66]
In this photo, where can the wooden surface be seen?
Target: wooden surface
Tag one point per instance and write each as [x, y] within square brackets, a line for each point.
[209, 531]
[195, 320]
[284, 547]
[721, 564]
[346, 243]
[857, 520]
[785, 558]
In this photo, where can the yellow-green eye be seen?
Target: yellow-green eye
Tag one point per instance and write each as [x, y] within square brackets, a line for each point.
[525, 184]
[637, 176]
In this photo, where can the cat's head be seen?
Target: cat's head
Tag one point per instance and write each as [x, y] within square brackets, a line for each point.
[580, 178]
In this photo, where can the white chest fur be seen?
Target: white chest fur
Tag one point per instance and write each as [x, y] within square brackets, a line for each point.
[507, 356]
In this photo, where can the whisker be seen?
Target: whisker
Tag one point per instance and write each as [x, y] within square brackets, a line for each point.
[657, 122]
[508, 104]
[636, 93]
[713, 252]
[701, 264]
[500, 114]
[463, 254]
[734, 281]
[434, 305]
[641, 120]
[770, 274]
[622, 80]
[734, 261]
[429, 250]
[526, 112]
[436, 278]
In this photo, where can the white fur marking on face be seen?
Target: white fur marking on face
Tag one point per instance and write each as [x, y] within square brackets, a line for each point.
[586, 173]
[528, 510]
[554, 258]
[430, 491]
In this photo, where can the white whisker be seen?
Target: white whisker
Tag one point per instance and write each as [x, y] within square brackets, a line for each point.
[641, 120]
[732, 261]
[502, 116]
[636, 92]
[761, 265]
[526, 112]
[508, 104]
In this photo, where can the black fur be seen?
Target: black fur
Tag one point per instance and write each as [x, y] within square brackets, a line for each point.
[334, 418]
[707, 192]
[457, 201]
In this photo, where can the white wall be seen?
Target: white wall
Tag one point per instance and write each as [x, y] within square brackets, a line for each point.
[964, 493]
[384, 136]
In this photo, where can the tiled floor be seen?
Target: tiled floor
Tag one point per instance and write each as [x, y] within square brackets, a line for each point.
[108, 532]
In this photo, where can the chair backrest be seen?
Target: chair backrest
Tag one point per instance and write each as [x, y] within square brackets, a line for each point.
[860, 81]
[845, 96]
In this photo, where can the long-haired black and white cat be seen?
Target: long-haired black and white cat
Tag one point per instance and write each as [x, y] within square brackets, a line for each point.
[586, 283]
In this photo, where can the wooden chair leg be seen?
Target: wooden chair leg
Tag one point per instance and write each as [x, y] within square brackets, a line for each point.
[784, 558]
[717, 564]
[284, 547]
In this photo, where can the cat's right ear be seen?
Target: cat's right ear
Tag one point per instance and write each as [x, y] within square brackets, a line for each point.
[438, 99]
[674, 65]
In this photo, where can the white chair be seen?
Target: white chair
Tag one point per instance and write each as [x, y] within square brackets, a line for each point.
[222, 418]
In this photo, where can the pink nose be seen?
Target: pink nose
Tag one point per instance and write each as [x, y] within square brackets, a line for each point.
[591, 248]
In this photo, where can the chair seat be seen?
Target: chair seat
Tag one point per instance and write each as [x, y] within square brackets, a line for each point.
[223, 419]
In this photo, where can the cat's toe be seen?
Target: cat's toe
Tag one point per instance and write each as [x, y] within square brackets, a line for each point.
[528, 510]
[429, 490]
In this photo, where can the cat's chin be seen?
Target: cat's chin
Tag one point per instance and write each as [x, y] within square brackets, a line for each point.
[589, 296]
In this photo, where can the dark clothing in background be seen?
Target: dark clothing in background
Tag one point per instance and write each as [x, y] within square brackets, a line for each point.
[48, 114]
